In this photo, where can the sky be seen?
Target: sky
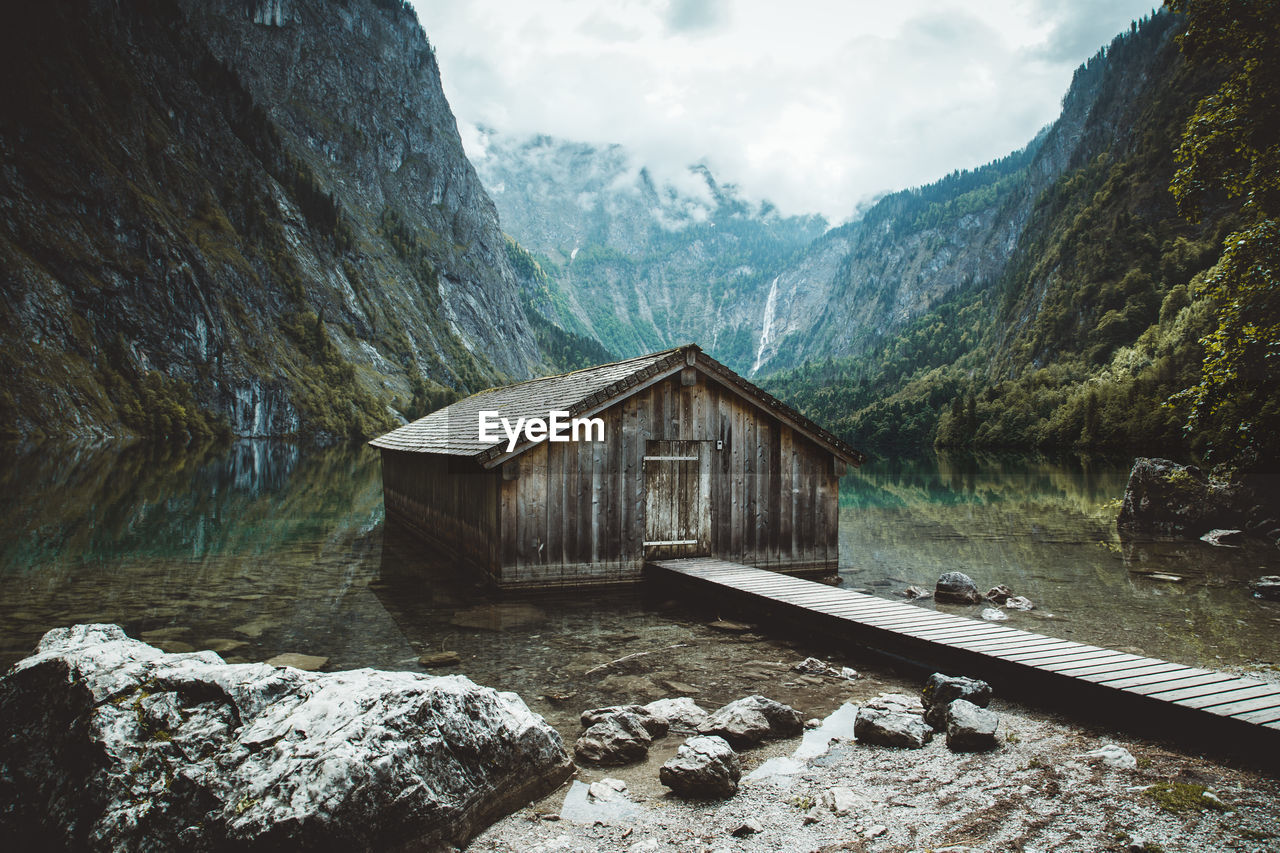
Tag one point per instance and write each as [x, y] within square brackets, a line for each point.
[816, 105]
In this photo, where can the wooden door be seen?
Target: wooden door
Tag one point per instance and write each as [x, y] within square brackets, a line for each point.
[677, 500]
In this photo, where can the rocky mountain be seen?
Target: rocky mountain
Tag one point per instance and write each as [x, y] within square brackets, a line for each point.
[636, 262]
[251, 216]
[1089, 335]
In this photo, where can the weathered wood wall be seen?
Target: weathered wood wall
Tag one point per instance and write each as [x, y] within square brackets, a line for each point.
[574, 514]
[449, 502]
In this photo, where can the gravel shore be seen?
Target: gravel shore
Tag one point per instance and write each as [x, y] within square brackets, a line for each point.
[1038, 791]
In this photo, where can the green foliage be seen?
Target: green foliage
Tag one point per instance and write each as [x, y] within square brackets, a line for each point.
[1231, 149]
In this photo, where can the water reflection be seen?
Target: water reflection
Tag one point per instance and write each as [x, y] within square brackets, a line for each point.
[264, 548]
[1046, 529]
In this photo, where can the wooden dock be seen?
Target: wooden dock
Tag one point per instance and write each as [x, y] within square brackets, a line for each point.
[1148, 696]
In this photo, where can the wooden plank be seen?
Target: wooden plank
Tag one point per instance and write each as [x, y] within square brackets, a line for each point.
[1271, 715]
[1245, 705]
[1184, 679]
[1228, 697]
[1084, 669]
[1029, 643]
[1178, 694]
[1060, 656]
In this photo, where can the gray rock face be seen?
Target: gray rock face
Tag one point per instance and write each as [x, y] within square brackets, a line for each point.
[112, 744]
[302, 135]
[891, 728]
[748, 721]
[619, 738]
[654, 724]
[941, 690]
[957, 587]
[970, 728]
[1169, 499]
[703, 768]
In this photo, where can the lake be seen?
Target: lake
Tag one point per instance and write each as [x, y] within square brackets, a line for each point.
[266, 547]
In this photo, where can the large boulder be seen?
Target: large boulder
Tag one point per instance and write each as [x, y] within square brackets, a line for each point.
[956, 588]
[746, 722]
[113, 744]
[1165, 498]
[941, 690]
[970, 728]
[891, 728]
[703, 768]
[616, 739]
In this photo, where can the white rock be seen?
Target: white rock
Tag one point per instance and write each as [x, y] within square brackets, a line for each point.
[992, 614]
[1114, 756]
[845, 801]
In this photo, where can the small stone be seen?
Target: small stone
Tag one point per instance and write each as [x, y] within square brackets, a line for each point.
[957, 587]
[914, 592]
[729, 627]
[616, 740]
[970, 728]
[848, 673]
[678, 686]
[297, 660]
[1113, 756]
[992, 614]
[223, 646]
[812, 666]
[812, 723]
[999, 594]
[749, 827]
[900, 703]
[891, 728]
[681, 714]
[1019, 602]
[876, 831]
[1267, 586]
[1222, 538]
[844, 801]
[940, 690]
[656, 726]
[702, 768]
[430, 660]
[748, 721]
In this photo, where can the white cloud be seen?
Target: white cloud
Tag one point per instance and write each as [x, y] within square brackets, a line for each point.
[816, 108]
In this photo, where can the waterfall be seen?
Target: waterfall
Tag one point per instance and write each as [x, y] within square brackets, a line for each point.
[766, 330]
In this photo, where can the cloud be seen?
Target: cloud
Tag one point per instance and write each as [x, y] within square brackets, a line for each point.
[815, 106]
[691, 16]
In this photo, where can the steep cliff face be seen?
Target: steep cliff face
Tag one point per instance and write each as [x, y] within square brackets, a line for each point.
[253, 214]
[636, 263]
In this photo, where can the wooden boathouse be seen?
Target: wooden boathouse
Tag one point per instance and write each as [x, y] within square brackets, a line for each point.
[693, 460]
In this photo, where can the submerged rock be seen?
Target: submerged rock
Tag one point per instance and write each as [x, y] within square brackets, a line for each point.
[748, 721]
[297, 660]
[1267, 586]
[970, 728]
[704, 767]
[113, 744]
[1223, 538]
[957, 587]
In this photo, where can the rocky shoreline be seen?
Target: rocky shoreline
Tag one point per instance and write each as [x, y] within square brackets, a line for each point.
[113, 744]
[1048, 784]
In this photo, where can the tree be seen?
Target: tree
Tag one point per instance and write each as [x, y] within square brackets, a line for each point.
[1230, 149]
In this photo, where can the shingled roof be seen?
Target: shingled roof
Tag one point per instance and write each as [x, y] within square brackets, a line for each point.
[454, 430]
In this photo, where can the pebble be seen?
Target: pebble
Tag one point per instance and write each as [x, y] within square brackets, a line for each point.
[297, 660]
